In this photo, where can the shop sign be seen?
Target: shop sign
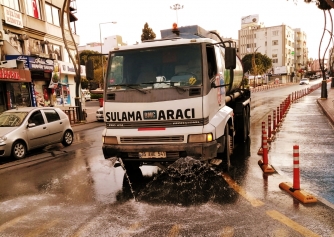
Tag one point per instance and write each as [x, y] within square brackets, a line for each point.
[13, 17]
[8, 74]
[34, 63]
[43, 64]
[68, 68]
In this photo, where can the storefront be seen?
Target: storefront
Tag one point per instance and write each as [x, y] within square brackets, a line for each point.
[41, 71]
[15, 89]
[65, 92]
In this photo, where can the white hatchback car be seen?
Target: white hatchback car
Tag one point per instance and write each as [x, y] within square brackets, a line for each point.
[99, 114]
[304, 81]
[27, 128]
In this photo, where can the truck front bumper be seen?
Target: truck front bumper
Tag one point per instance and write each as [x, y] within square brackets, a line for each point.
[200, 151]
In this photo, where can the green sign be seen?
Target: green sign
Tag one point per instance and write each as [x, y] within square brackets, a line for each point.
[293, 52]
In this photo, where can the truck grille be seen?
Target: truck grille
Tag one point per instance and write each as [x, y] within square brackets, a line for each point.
[146, 139]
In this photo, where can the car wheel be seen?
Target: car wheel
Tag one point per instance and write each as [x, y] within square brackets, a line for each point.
[19, 150]
[67, 138]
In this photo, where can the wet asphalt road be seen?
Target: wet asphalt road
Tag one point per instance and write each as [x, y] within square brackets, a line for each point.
[73, 191]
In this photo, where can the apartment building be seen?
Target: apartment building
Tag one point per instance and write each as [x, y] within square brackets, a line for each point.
[36, 69]
[105, 46]
[286, 47]
[301, 51]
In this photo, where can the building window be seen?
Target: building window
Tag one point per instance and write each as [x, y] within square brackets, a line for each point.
[265, 43]
[33, 8]
[13, 4]
[275, 60]
[52, 14]
[274, 55]
[275, 42]
[275, 33]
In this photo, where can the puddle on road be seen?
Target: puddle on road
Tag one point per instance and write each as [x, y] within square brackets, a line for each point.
[185, 182]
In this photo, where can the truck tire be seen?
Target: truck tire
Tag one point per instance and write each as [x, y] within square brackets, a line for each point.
[246, 123]
[225, 156]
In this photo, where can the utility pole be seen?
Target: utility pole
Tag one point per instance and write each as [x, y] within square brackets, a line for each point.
[66, 10]
[176, 7]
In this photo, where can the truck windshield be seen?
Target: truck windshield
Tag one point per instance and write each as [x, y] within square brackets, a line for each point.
[150, 68]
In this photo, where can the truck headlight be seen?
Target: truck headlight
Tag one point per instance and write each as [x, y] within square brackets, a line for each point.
[109, 140]
[206, 137]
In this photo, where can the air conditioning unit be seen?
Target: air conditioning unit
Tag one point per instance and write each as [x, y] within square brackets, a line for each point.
[53, 56]
[3, 35]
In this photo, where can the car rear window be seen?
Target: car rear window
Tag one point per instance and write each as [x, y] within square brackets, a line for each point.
[51, 115]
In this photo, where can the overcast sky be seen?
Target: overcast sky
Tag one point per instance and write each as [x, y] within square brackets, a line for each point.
[222, 15]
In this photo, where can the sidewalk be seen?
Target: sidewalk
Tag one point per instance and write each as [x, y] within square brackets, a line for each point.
[91, 115]
[327, 105]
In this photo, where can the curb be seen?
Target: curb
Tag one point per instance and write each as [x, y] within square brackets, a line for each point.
[325, 111]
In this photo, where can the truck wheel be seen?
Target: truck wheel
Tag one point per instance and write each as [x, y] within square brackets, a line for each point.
[246, 123]
[225, 156]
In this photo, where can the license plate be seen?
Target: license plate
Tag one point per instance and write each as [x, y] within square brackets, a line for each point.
[156, 154]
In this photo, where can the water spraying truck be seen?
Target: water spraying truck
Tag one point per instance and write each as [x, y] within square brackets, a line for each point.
[178, 96]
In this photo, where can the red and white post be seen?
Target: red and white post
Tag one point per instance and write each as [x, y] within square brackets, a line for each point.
[294, 189]
[269, 128]
[296, 171]
[266, 168]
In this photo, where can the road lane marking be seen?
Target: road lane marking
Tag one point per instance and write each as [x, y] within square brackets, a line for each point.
[42, 228]
[254, 202]
[174, 231]
[11, 223]
[292, 224]
[227, 231]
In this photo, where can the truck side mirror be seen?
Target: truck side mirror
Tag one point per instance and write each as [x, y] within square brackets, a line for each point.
[230, 58]
[89, 70]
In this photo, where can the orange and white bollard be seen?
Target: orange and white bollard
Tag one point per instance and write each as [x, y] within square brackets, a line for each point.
[269, 128]
[260, 151]
[294, 189]
[296, 173]
[274, 122]
[278, 118]
[264, 162]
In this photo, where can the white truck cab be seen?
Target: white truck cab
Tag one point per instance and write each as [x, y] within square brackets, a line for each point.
[175, 97]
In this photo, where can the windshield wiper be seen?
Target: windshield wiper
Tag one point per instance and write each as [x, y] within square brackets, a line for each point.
[131, 86]
[171, 83]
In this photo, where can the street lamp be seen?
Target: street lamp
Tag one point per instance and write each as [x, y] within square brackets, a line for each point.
[176, 7]
[111, 22]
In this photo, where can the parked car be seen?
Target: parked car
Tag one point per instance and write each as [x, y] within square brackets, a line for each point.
[86, 94]
[99, 114]
[27, 128]
[304, 81]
